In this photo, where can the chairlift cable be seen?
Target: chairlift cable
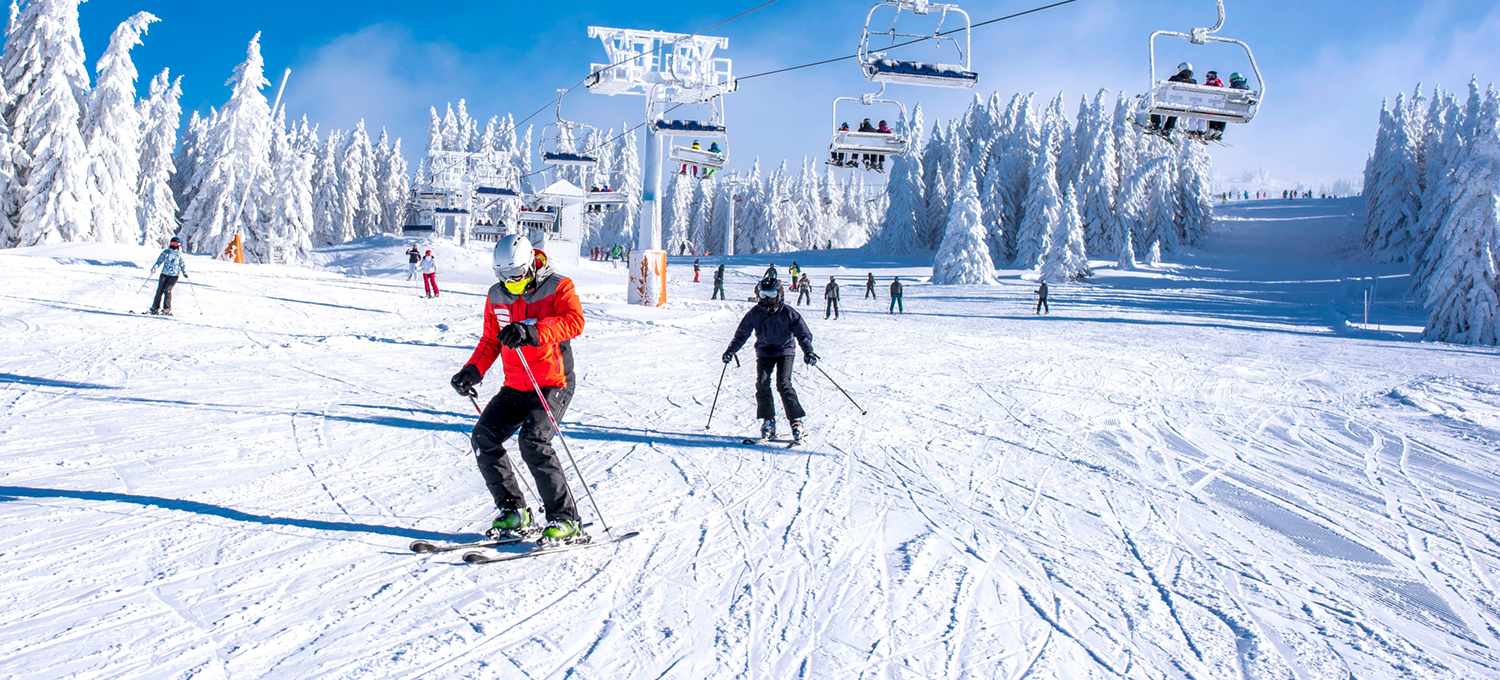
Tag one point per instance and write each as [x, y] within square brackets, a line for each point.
[913, 42]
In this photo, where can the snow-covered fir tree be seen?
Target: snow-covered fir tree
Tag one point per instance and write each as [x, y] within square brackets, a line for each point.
[1444, 143]
[392, 183]
[1393, 190]
[235, 156]
[288, 210]
[620, 226]
[1067, 255]
[361, 197]
[187, 159]
[112, 129]
[677, 214]
[902, 226]
[9, 233]
[162, 114]
[1195, 201]
[1464, 293]
[328, 197]
[964, 256]
[1043, 210]
[48, 85]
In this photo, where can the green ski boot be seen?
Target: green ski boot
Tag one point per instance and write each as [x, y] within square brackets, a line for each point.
[563, 532]
[512, 523]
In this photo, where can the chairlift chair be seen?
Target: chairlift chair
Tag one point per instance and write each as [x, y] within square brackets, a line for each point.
[712, 129]
[559, 140]
[853, 143]
[1185, 100]
[881, 68]
[604, 202]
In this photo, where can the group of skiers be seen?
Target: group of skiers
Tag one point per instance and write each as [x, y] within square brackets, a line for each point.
[607, 253]
[1215, 129]
[874, 162]
[712, 148]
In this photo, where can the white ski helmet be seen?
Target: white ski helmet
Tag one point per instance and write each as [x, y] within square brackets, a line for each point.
[1184, 66]
[513, 257]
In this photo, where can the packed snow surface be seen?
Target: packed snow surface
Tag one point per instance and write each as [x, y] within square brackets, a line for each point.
[1209, 469]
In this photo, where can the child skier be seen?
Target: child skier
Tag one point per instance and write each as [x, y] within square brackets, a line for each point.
[778, 330]
[428, 268]
[171, 265]
[535, 312]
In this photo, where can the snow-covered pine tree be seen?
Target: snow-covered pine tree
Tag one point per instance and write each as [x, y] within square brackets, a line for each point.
[937, 157]
[749, 211]
[112, 129]
[1164, 225]
[1464, 294]
[900, 230]
[450, 130]
[357, 174]
[1444, 144]
[1153, 256]
[288, 209]
[780, 228]
[626, 180]
[1067, 256]
[1043, 207]
[186, 159]
[700, 214]
[1127, 138]
[963, 258]
[48, 85]
[1099, 182]
[1194, 190]
[1025, 140]
[1137, 206]
[162, 113]
[677, 214]
[393, 186]
[9, 233]
[328, 206]
[1390, 228]
[235, 154]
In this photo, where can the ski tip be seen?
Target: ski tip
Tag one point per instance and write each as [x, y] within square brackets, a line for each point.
[422, 547]
[475, 557]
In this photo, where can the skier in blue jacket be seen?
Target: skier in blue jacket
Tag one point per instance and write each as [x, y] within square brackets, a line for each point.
[778, 330]
[171, 265]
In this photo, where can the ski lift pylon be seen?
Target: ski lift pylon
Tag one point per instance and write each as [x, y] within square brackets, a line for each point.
[1186, 100]
[878, 67]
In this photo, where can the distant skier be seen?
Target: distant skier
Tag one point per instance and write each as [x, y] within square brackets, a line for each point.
[172, 267]
[428, 268]
[1041, 299]
[413, 256]
[778, 330]
[695, 271]
[718, 284]
[535, 312]
[870, 287]
[831, 296]
[804, 290]
[771, 273]
[896, 299]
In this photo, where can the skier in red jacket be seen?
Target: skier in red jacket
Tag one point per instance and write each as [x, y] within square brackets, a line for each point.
[536, 312]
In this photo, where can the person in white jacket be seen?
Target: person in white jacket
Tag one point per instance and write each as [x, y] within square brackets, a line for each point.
[428, 269]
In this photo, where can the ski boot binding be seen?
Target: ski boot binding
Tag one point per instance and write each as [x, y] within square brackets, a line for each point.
[563, 532]
[514, 523]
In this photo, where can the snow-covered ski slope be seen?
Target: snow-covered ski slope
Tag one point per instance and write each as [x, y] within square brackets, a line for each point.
[1199, 471]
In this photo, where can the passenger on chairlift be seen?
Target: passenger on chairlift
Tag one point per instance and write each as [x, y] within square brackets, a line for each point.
[1215, 128]
[867, 127]
[1184, 75]
[713, 148]
[885, 129]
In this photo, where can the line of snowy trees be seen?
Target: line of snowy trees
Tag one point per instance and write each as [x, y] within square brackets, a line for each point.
[81, 163]
[1017, 183]
[1432, 197]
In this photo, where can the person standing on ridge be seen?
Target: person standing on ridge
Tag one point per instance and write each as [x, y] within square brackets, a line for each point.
[896, 299]
[695, 271]
[831, 295]
[171, 265]
[778, 330]
[1041, 299]
[870, 287]
[533, 312]
[804, 290]
[428, 268]
[413, 256]
[718, 284]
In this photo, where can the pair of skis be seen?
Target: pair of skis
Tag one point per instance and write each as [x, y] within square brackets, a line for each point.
[474, 556]
[790, 443]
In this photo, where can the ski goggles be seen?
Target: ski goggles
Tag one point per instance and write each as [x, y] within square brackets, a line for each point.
[767, 292]
[514, 274]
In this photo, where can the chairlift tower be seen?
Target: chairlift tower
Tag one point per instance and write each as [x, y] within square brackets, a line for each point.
[669, 70]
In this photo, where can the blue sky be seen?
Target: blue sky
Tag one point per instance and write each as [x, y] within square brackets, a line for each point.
[1327, 64]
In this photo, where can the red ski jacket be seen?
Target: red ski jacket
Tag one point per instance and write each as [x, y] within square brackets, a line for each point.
[554, 306]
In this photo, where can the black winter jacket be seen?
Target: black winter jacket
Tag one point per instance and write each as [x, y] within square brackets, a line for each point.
[777, 333]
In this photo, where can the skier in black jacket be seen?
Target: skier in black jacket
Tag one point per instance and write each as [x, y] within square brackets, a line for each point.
[778, 330]
[1184, 75]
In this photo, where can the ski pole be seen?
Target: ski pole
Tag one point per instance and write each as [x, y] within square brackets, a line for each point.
[150, 276]
[193, 288]
[716, 397]
[558, 428]
[846, 394]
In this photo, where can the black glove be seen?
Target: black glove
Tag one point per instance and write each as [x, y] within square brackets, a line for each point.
[810, 358]
[728, 357]
[464, 381]
[519, 334]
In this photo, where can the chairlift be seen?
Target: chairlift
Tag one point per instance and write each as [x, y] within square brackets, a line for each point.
[705, 160]
[560, 140]
[1186, 100]
[881, 68]
[604, 202]
[850, 146]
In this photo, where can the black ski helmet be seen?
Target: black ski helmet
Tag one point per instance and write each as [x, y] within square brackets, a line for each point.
[770, 293]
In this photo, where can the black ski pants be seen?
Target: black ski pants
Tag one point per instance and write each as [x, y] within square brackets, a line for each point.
[870, 293]
[804, 296]
[163, 300]
[1041, 304]
[765, 406]
[831, 308]
[514, 412]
